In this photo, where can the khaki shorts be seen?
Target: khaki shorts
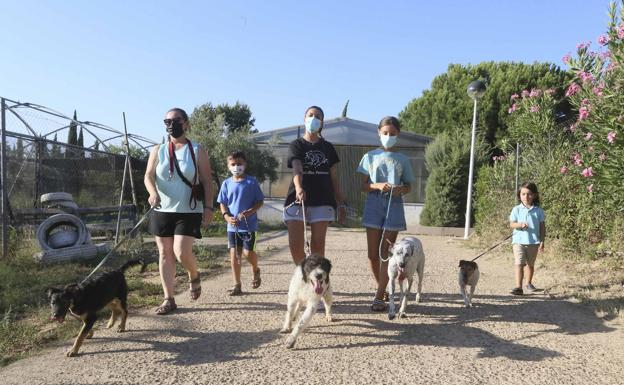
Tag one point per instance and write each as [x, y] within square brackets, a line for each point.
[525, 254]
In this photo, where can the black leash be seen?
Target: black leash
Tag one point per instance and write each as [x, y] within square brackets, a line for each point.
[119, 243]
[493, 247]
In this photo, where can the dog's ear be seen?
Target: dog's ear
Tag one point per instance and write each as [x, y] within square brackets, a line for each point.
[304, 274]
[411, 249]
[326, 265]
[51, 291]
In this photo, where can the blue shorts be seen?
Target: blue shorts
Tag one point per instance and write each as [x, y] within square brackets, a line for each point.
[242, 240]
[375, 209]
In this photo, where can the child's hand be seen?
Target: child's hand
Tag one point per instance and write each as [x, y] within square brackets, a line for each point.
[299, 195]
[541, 246]
[523, 225]
[232, 220]
[245, 214]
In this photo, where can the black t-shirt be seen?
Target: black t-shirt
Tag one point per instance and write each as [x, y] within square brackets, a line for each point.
[316, 158]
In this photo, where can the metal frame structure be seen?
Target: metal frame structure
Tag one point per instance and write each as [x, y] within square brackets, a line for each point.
[101, 133]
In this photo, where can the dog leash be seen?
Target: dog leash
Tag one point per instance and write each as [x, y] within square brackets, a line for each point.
[119, 243]
[305, 227]
[239, 258]
[383, 233]
[491, 248]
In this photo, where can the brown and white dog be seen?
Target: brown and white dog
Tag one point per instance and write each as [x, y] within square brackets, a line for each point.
[468, 276]
[308, 286]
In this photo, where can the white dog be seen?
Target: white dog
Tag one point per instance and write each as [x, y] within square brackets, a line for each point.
[407, 258]
[468, 275]
[309, 284]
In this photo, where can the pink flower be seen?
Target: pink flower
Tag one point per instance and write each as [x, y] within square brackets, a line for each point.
[572, 127]
[605, 55]
[603, 39]
[513, 108]
[602, 157]
[588, 172]
[515, 96]
[583, 45]
[577, 159]
[563, 170]
[535, 108]
[590, 188]
[566, 58]
[585, 77]
[585, 102]
[611, 137]
[588, 136]
[620, 31]
[573, 89]
[525, 93]
[535, 93]
[598, 90]
[583, 112]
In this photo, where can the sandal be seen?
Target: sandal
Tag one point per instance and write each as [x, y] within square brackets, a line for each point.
[378, 305]
[236, 290]
[167, 306]
[195, 287]
[256, 281]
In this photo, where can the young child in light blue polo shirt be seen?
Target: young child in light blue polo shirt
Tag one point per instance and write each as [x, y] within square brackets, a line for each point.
[527, 220]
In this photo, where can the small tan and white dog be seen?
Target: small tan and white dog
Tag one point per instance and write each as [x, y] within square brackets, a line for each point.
[468, 276]
[407, 258]
[308, 286]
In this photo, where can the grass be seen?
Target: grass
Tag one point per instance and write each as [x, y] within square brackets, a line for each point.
[25, 327]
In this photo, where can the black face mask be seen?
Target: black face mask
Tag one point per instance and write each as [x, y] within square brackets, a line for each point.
[175, 130]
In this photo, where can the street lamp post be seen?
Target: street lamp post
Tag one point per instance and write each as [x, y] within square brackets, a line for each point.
[475, 90]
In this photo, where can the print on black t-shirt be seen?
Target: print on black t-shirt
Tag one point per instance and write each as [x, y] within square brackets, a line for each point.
[316, 159]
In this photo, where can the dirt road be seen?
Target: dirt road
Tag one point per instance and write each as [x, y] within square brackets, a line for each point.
[219, 339]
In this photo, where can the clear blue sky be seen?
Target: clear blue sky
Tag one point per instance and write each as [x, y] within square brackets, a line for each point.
[143, 57]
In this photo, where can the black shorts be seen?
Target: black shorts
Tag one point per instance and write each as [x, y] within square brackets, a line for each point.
[162, 224]
[242, 240]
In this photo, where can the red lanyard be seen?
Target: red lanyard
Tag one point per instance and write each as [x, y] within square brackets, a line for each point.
[172, 158]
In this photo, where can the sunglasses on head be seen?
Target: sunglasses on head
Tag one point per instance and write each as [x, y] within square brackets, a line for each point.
[169, 122]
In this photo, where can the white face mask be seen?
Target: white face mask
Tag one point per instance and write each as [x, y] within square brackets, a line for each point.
[237, 170]
[312, 124]
[388, 141]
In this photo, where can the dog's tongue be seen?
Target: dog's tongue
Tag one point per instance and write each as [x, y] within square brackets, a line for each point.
[318, 289]
[401, 274]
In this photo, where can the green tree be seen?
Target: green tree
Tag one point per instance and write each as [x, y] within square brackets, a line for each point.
[235, 118]
[446, 105]
[135, 151]
[72, 135]
[55, 152]
[211, 130]
[19, 149]
[80, 142]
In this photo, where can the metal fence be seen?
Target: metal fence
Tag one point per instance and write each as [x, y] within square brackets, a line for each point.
[34, 163]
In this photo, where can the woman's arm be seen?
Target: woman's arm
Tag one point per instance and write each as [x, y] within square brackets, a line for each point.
[150, 178]
[542, 235]
[340, 200]
[297, 167]
[205, 177]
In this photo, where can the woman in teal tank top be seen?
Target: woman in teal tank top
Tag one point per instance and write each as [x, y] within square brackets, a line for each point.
[177, 217]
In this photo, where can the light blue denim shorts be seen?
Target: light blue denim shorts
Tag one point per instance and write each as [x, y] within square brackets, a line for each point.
[313, 214]
[375, 209]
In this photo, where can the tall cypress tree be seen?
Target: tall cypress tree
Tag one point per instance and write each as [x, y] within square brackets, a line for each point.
[81, 143]
[72, 136]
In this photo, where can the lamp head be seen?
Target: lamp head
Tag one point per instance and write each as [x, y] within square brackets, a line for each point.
[476, 89]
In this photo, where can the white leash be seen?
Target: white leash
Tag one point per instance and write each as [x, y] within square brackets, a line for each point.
[383, 233]
[306, 247]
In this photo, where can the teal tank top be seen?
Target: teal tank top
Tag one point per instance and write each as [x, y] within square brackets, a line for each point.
[174, 193]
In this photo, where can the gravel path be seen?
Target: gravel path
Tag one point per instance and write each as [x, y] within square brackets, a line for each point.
[219, 339]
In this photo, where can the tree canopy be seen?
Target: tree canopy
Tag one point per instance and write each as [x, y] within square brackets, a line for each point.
[446, 105]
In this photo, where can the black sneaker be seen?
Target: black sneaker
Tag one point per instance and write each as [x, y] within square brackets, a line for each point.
[517, 291]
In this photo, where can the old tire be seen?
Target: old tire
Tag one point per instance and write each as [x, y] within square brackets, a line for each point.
[46, 227]
[56, 196]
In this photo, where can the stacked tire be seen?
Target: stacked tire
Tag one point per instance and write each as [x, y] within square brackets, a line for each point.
[64, 237]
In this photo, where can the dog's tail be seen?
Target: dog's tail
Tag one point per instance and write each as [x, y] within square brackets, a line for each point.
[133, 262]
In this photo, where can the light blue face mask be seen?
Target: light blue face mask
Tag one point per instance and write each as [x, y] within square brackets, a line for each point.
[312, 124]
[388, 141]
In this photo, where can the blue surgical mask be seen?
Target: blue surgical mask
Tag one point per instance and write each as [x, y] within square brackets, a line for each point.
[388, 141]
[312, 124]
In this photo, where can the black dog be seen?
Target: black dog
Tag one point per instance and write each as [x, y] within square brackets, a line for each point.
[85, 300]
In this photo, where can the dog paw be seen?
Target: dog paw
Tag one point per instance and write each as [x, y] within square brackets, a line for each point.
[391, 316]
[71, 353]
[285, 330]
[121, 330]
[329, 318]
[402, 315]
[110, 325]
[290, 342]
[417, 298]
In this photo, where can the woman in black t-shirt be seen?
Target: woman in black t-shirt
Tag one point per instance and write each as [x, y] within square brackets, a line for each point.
[315, 182]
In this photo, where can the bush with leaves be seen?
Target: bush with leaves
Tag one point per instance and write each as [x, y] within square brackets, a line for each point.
[447, 159]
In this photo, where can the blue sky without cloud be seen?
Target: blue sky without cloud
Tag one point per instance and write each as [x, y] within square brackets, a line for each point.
[103, 58]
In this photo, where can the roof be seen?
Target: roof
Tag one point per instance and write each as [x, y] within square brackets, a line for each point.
[342, 131]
